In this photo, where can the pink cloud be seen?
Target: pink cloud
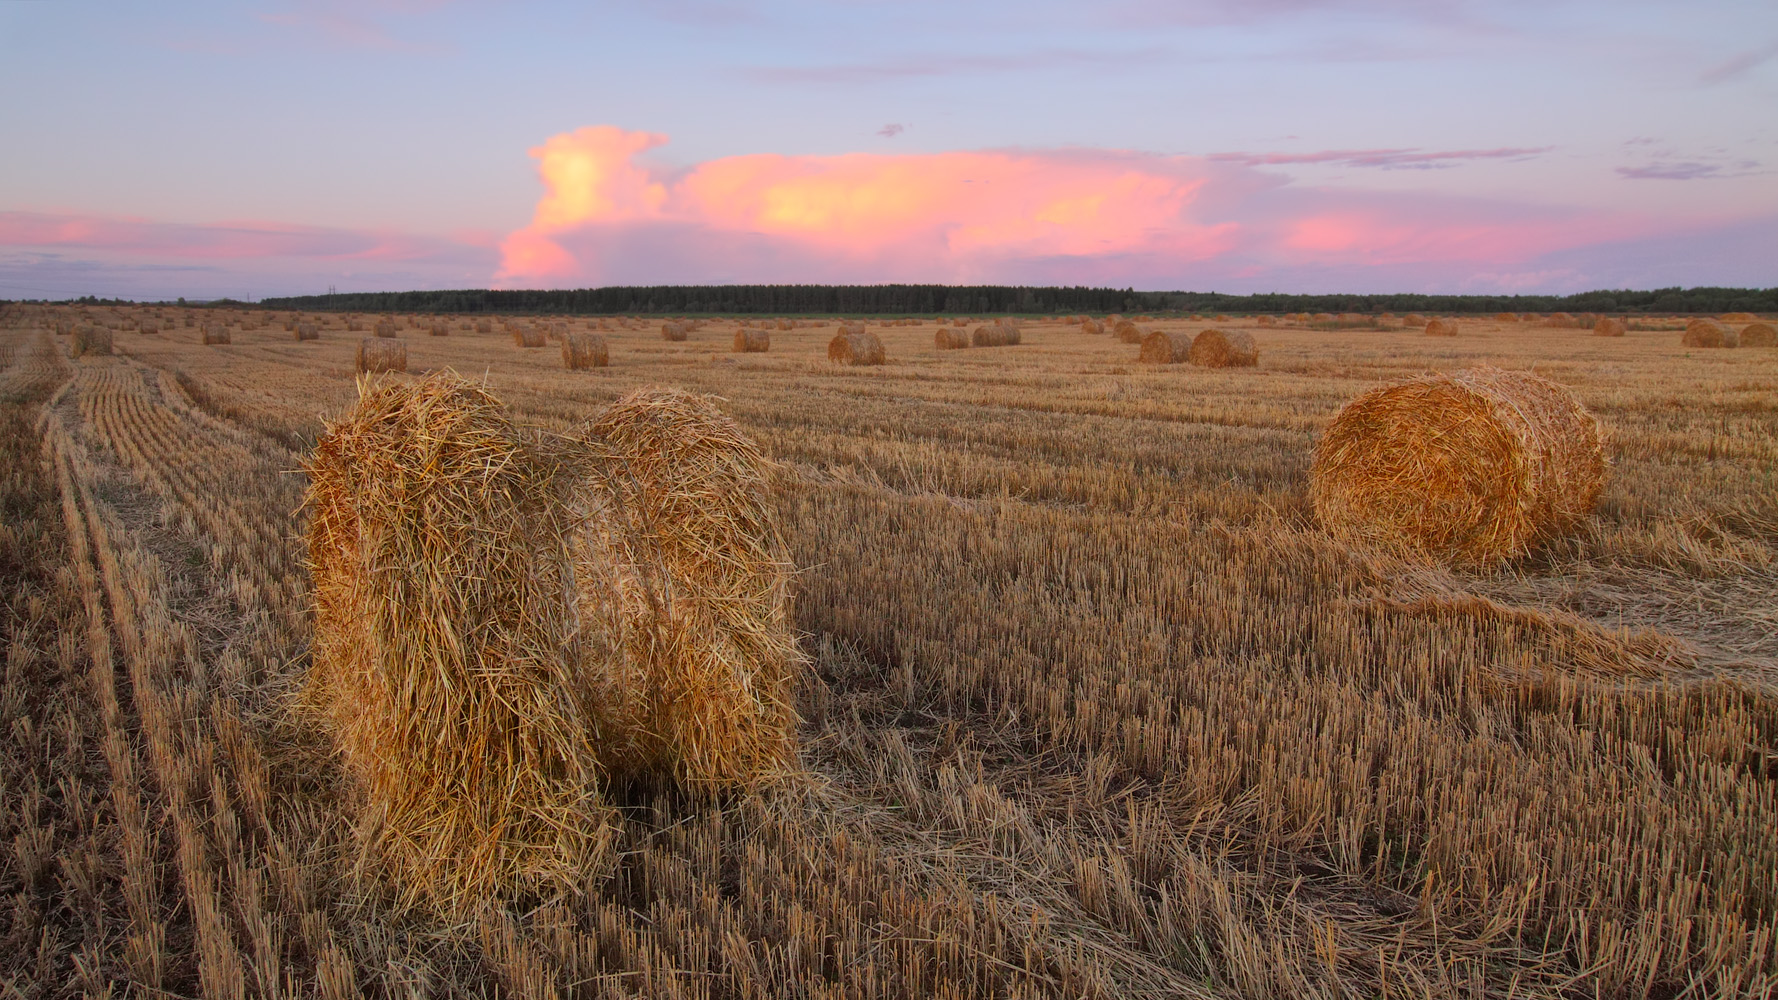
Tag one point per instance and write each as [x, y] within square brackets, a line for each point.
[1387, 159]
[1068, 215]
[214, 241]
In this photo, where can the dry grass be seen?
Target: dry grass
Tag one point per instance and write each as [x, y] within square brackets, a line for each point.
[1096, 708]
[1479, 464]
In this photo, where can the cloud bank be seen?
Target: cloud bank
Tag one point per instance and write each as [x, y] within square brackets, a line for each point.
[1031, 216]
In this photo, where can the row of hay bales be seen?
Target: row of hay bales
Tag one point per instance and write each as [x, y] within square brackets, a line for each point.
[506, 621]
[1703, 332]
[1208, 349]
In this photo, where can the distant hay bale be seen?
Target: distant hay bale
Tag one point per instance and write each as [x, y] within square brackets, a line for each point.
[584, 350]
[1506, 317]
[1740, 317]
[90, 339]
[305, 331]
[1414, 321]
[749, 341]
[682, 564]
[484, 325]
[1610, 327]
[437, 329]
[1165, 348]
[854, 345]
[528, 336]
[960, 322]
[1477, 465]
[1127, 332]
[674, 331]
[1703, 332]
[381, 354]
[384, 328]
[1323, 319]
[951, 339]
[994, 335]
[216, 333]
[1266, 321]
[1759, 335]
[1223, 349]
[149, 328]
[1559, 319]
[441, 627]
[1441, 328]
[353, 326]
[1092, 326]
[785, 325]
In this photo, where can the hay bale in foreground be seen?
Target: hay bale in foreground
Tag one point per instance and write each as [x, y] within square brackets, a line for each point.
[1759, 335]
[216, 333]
[1477, 465]
[1224, 349]
[438, 663]
[750, 341]
[948, 338]
[380, 354]
[90, 339]
[854, 345]
[1127, 332]
[1610, 327]
[994, 335]
[1441, 328]
[1165, 348]
[681, 563]
[1702, 332]
[584, 350]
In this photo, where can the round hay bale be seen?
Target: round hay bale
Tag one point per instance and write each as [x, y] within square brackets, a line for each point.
[529, 336]
[1267, 321]
[950, 339]
[1506, 317]
[484, 325]
[1759, 335]
[1441, 328]
[1165, 348]
[854, 345]
[960, 322]
[90, 339]
[1323, 319]
[1477, 465]
[1703, 332]
[1223, 349]
[438, 669]
[680, 563]
[384, 328]
[584, 350]
[149, 328]
[1092, 326]
[994, 335]
[1740, 317]
[437, 329]
[1610, 327]
[1559, 319]
[380, 354]
[1414, 321]
[305, 331]
[674, 331]
[353, 326]
[1127, 332]
[749, 341]
[216, 333]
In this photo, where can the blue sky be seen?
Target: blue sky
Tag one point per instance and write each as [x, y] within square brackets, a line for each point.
[266, 148]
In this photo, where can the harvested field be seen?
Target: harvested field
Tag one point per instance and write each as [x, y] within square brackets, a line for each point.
[1094, 704]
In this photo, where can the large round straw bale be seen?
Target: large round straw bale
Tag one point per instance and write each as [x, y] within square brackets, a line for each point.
[305, 331]
[994, 335]
[1477, 465]
[1127, 332]
[1702, 332]
[216, 333]
[149, 328]
[1224, 349]
[748, 341]
[1165, 348]
[529, 336]
[1092, 326]
[384, 328]
[854, 345]
[681, 563]
[484, 325]
[438, 328]
[1559, 319]
[1441, 328]
[90, 339]
[674, 331]
[584, 350]
[381, 354]
[1609, 326]
[442, 660]
[950, 339]
[1759, 335]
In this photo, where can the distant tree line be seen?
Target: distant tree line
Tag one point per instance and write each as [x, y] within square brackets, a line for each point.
[913, 300]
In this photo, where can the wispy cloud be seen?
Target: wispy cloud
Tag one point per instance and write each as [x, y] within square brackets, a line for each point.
[1386, 159]
[1738, 66]
[363, 24]
[892, 130]
[951, 64]
[1689, 170]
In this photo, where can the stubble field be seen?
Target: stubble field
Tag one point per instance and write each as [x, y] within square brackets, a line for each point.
[1096, 708]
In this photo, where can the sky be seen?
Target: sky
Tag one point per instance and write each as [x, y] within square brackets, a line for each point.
[272, 147]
